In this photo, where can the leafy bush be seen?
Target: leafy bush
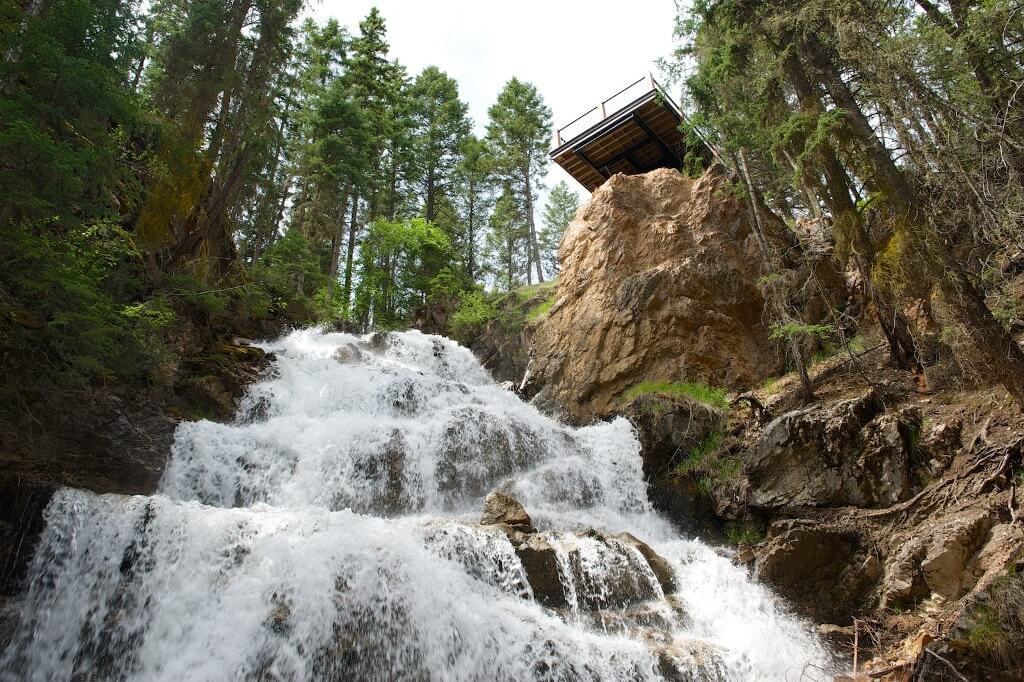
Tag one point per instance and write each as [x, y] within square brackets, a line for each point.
[473, 312]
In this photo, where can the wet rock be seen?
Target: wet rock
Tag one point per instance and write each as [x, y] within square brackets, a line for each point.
[847, 453]
[540, 563]
[502, 508]
[662, 570]
[349, 354]
[822, 570]
[690, 662]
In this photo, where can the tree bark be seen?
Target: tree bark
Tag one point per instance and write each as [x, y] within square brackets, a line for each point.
[533, 248]
[353, 232]
[336, 238]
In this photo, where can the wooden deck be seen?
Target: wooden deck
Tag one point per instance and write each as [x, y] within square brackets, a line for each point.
[641, 134]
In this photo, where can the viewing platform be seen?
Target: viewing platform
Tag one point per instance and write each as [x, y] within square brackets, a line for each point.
[634, 131]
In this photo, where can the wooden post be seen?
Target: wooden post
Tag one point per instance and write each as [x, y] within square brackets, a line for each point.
[650, 81]
[603, 114]
[558, 138]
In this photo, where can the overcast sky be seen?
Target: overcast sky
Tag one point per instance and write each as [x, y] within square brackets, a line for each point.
[576, 52]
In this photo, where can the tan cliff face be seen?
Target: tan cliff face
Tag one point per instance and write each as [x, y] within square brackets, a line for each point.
[658, 283]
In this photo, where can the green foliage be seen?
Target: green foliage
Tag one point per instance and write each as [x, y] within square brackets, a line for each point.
[714, 397]
[743, 533]
[540, 310]
[782, 332]
[61, 313]
[399, 270]
[696, 458]
[473, 312]
[709, 465]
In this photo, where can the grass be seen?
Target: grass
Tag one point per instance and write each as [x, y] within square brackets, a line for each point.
[697, 458]
[707, 461]
[539, 311]
[986, 635]
[702, 393]
[534, 290]
[743, 533]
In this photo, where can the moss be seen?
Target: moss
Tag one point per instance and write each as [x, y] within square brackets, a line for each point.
[702, 393]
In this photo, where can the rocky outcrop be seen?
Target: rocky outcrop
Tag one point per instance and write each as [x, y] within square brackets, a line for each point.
[587, 570]
[658, 282]
[825, 572]
[847, 453]
[111, 439]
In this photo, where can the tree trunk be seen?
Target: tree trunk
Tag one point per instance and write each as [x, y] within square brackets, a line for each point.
[533, 248]
[836, 194]
[336, 239]
[353, 232]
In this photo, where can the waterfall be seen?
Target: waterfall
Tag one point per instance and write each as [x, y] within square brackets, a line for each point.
[331, 533]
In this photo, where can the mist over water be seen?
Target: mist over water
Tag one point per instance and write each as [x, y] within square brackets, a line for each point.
[330, 533]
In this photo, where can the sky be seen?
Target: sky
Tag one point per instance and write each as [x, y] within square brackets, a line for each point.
[576, 52]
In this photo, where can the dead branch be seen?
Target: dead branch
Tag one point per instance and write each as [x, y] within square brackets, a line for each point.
[948, 663]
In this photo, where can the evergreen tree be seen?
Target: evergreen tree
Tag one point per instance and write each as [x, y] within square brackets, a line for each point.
[559, 211]
[507, 252]
[474, 191]
[440, 125]
[518, 133]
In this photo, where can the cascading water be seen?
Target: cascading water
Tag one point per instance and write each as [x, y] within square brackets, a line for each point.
[330, 533]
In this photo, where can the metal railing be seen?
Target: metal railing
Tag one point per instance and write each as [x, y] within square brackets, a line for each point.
[600, 112]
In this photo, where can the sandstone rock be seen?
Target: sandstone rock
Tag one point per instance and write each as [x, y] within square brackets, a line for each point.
[848, 453]
[658, 282]
[953, 545]
[820, 569]
[502, 508]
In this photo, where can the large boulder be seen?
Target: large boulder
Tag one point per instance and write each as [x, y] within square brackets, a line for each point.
[846, 453]
[658, 281]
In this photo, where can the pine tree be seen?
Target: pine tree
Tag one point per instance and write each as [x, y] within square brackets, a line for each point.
[559, 211]
[474, 197]
[507, 241]
[518, 134]
[440, 125]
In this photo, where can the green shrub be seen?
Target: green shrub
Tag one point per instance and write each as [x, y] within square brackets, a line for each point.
[473, 312]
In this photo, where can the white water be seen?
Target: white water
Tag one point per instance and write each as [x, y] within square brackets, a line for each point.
[328, 534]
